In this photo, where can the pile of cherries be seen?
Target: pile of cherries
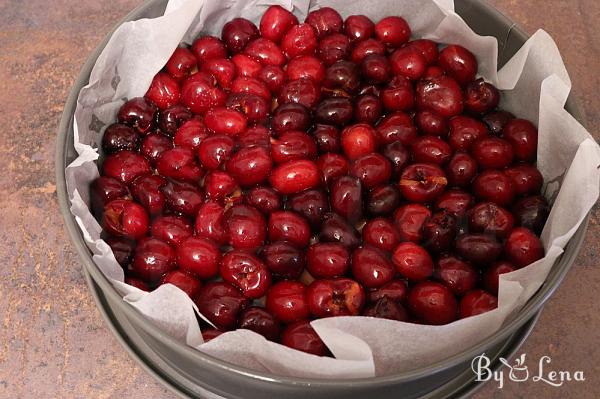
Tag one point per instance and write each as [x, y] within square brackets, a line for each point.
[305, 170]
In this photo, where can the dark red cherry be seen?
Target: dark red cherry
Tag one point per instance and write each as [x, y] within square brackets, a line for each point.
[125, 166]
[523, 136]
[489, 218]
[464, 131]
[179, 164]
[481, 249]
[430, 123]
[208, 47]
[412, 261]
[332, 166]
[441, 95]
[184, 281]
[476, 302]
[459, 63]
[397, 127]
[523, 247]
[492, 153]
[335, 297]
[222, 69]
[249, 85]
[461, 169]
[261, 322]
[393, 31]
[265, 199]
[286, 300]
[163, 91]
[303, 91]
[431, 149]
[295, 176]
[327, 260]
[455, 201]
[153, 146]
[250, 166]
[118, 137]
[245, 226]
[273, 76]
[481, 97]
[208, 334]
[137, 283]
[408, 62]
[289, 226]
[210, 223]
[275, 22]
[246, 272]
[290, 116]
[336, 229]
[237, 33]
[153, 258]
[531, 212]
[215, 150]
[376, 68]
[371, 267]
[219, 185]
[199, 256]
[439, 231]
[432, 303]
[171, 229]
[358, 27]
[122, 249]
[409, 220]
[255, 136]
[426, 48]
[422, 182]
[255, 108]
[170, 119]
[395, 290]
[495, 186]
[181, 64]
[105, 189]
[364, 48]
[496, 120]
[305, 66]
[367, 109]
[125, 218]
[182, 197]
[346, 198]
[138, 113]
[343, 75]
[491, 278]
[397, 153]
[221, 303]
[526, 179]
[284, 260]
[456, 274]
[301, 336]
[312, 204]
[385, 308]
[146, 191]
[333, 48]
[399, 94]
[334, 111]
[325, 21]
[299, 40]
[372, 170]
[383, 200]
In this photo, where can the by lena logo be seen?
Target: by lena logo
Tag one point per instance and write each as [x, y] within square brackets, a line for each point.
[519, 372]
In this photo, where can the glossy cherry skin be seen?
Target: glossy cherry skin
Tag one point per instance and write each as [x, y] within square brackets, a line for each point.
[526, 179]
[343, 75]
[245, 226]
[361, 50]
[523, 136]
[495, 186]
[199, 256]
[237, 33]
[184, 281]
[476, 302]
[221, 303]
[358, 140]
[301, 336]
[249, 85]
[461, 169]
[172, 118]
[491, 278]
[336, 229]
[255, 136]
[210, 223]
[291, 116]
[222, 120]
[325, 21]
[431, 149]
[492, 153]
[163, 91]
[346, 198]
[265, 199]
[385, 308]
[254, 108]
[382, 200]
[284, 260]
[481, 97]
[118, 137]
[358, 27]
[332, 166]
[439, 231]
[219, 185]
[335, 297]
[261, 322]
[311, 204]
[398, 154]
[305, 66]
[464, 131]
[523, 247]
[422, 182]
[441, 95]
[179, 164]
[286, 300]
[295, 176]
[480, 249]
[489, 218]
[246, 65]
[105, 189]
[381, 233]
[432, 303]
[327, 260]
[409, 221]
[333, 48]
[531, 212]
[208, 47]
[146, 191]
[183, 197]
[289, 226]
[367, 109]
[456, 202]
[412, 261]
[433, 71]
[215, 150]
[199, 93]
[250, 166]
[153, 146]
[299, 40]
[426, 48]
[125, 166]
[171, 229]
[456, 274]
[273, 76]
[246, 272]
[395, 290]
[459, 63]
[496, 121]
[266, 51]
[398, 95]
[138, 113]
[125, 218]
[153, 258]
[430, 123]
[408, 62]
[181, 63]
[303, 91]
[372, 170]
[397, 126]
[275, 22]
[371, 267]
[334, 111]
[376, 68]
[393, 31]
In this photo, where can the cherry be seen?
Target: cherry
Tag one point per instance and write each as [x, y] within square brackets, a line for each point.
[221, 303]
[367, 109]
[170, 119]
[464, 131]
[459, 63]
[301, 336]
[398, 95]
[332, 166]
[393, 31]
[426, 48]
[523, 247]
[422, 182]
[125, 166]
[495, 186]
[412, 261]
[163, 91]
[408, 62]
[358, 27]
[284, 260]
[208, 334]
[273, 76]
[336, 229]
[476, 302]
[222, 69]
[489, 218]
[246, 272]
[199, 256]
[118, 137]
[381, 233]
[382, 200]
[461, 169]
[491, 278]
[183, 197]
[432, 303]
[439, 231]
[286, 300]
[334, 111]
[199, 93]
[246, 65]
[171, 229]
[125, 218]
[492, 153]
[138, 113]
[397, 153]
[250, 166]
[327, 260]
[358, 140]
[210, 224]
[397, 126]
[459, 276]
[265, 199]
[295, 176]
[219, 185]
[249, 85]
[531, 213]
[395, 290]
[335, 297]
[137, 283]
[342, 75]
[305, 66]
[455, 201]
[325, 21]
[430, 123]
[303, 91]
[371, 267]
[496, 120]
[289, 226]
[181, 64]
[346, 198]
[333, 48]
[409, 220]
[222, 120]
[372, 170]
[481, 97]
[385, 308]
[433, 71]
[237, 33]
[275, 23]
[255, 136]
[431, 149]
[153, 145]
[208, 47]
[153, 258]
[311, 204]
[180, 164]
[478, 248]
[245, 226]
[254, 108]
[261, 322]
[526, 179]
[441, 95]
[523, 136]
[299, 40]
[105, 189]
[376, 68]
[291, 116]
[146, 191]
[184, 281]
[122, 249]
[215, 150]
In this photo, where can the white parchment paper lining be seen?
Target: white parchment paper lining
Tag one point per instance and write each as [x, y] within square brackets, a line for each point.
[537, 86]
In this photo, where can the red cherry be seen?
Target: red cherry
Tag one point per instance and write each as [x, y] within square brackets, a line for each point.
[325, 21]
[327, 260]
[246, 65]
[531, 212]
[456, 274]
[246, 272]
[343, 76]
[397, 153]
[137, 283]
[266, 51]
[393, 31]
[215, 150]
[395, 290]
[237, 33]
[358, 27]
[422, 182]
[432, 303]
[365, 48]
[412, 261]
[164, 91]
[489, 218]
[221, 303]
[295, 176]
[199, 94]
[371, 267]
[432, 124]
[125, 218]
[171, 229]
[464, 131]
[181, 64]
[190, 134]
[346, 198]
[398, 95]
[367, 109]
[491, 278]
[383, 200]
[250, 166]
[301, 336]
[265, 199]
[146, 191]
[333, 48]
[118, 137]
[210, 224]
[255, 108]
[476, 302]
[336, 229]
[261, 322]
[372, 170]
[334, 111]
[312, 204]
[526, 179]
[180, 164]
[275, 22]
[439, 231]
[461, 169]
[481, 97]
[303, 91]
[397, 126]
[523, 247]
[299, 40]
[208, 47]
[105, 189]
[332, 166]
[426, 48]
[184, 281]
[125, 166]
[495, 186]
[523, 136]
[287, 301]
[459, 63]
[441, 95]
[293, 145]
[153, 145]
[249, 85]
[183, 197]
[409, 221]
[222, 120]
[431, 149]
[245, 226]
[222, 69]
[481, 249]
[492, 153]
[138, 113]
[273, 76]
[289, 226]
[153, 258]
[284, 260]
[381, 233]
[408, 62]
[199, 256]
[358, 140]
[455, 201]
[496, 120]
[385, 308]
[305, 66]
[291, 116]
[335, 297]
[219, 185]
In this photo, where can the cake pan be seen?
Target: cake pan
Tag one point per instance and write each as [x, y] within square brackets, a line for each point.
[193, 373]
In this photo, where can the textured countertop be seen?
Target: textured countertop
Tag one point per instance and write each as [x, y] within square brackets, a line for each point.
[53, 341]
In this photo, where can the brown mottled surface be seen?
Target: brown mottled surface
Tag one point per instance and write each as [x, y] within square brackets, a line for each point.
[53, 342]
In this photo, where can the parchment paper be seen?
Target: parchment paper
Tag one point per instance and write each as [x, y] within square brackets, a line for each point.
[537, 87]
